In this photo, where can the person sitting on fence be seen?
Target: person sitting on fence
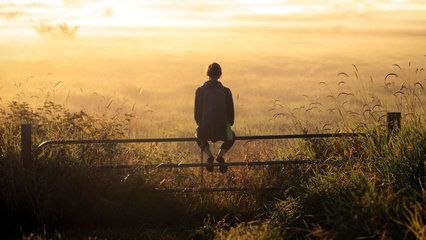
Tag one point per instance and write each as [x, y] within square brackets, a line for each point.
[214, 115]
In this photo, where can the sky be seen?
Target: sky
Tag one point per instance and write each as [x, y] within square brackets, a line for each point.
[32, 17]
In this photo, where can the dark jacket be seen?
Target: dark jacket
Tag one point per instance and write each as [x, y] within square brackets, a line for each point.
[198, 106]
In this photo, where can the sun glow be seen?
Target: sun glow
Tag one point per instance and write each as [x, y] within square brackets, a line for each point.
[290, 9]
[33, 2]
[117, 13]
[190, 13]
[153, 53]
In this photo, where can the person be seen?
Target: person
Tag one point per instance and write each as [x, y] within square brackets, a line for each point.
[214, 114]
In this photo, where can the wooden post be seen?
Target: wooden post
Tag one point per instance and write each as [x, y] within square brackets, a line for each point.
[394, 121]
[202, 170]
[26, 156]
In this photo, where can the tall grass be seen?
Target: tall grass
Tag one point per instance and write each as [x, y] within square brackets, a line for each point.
[65, 192]
[369, 187]
[366, 187]
[370, 196]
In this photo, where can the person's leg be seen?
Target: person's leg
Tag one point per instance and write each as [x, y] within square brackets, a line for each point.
[227, 144]
[202, 141]
[204, 145]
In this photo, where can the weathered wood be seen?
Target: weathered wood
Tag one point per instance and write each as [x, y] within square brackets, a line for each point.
[202, 169]
[393, 121]
[26, 156]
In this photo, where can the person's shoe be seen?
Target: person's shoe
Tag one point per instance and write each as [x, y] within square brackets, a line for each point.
[222, 168]
[210, 167]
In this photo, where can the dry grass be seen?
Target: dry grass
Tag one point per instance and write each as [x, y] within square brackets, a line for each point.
[91, 89]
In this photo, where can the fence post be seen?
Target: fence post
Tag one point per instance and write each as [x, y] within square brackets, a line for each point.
[393, 121]
[202, 170]
[26, 156]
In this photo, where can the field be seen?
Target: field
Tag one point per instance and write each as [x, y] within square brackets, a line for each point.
[283, 82]
[154, 74]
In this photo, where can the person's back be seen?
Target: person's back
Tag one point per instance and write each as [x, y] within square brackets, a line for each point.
[213, 112]
[216, 110]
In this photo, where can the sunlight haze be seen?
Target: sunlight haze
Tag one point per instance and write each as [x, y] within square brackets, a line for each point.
[150, 56]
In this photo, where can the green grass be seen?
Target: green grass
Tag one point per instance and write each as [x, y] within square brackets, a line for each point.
[370, 196]
[366, 187]
[59, 196]
[369, 187]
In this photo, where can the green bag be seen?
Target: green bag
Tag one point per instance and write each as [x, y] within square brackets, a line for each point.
[229, 134]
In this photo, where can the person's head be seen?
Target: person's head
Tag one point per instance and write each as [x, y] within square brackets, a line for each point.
[214, 71]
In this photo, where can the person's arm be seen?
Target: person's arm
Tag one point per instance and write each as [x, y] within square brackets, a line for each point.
[197, 106]
[230, 110]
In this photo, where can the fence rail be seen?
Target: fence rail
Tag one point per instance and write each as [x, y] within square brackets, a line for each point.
[220, 189]
[148, 140]
[393, 124]
[189, 165]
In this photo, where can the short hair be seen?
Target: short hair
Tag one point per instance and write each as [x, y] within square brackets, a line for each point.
[214, 70]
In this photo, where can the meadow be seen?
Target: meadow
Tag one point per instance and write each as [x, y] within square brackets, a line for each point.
[292, 82]
[153, 73]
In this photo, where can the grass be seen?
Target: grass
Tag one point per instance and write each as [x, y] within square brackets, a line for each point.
[366, 187]
[58, 196]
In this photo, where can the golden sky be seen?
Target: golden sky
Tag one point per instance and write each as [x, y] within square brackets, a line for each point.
[27, 17]
[148, 52]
